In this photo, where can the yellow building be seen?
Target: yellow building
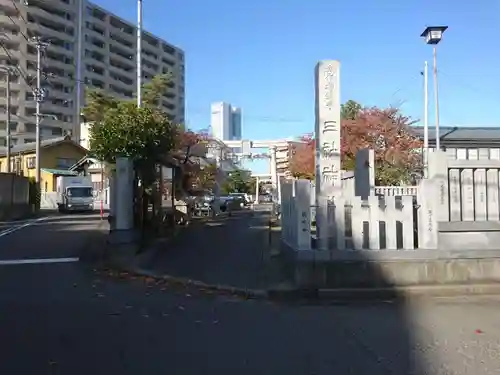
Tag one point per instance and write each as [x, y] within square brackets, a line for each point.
[57, 155]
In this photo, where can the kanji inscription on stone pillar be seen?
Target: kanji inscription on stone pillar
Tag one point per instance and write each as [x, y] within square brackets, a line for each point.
[328, 178]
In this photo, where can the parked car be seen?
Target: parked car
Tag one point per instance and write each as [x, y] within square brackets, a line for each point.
[243, 197]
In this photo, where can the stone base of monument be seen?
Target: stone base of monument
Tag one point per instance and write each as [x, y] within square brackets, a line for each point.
[464, 235]
[316, 269]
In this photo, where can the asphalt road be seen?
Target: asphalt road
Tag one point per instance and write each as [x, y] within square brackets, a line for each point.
[63, 318]
[51, 236]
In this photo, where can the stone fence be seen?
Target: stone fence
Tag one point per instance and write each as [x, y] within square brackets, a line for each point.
[396, 191]
[14, 196]
[451, 220]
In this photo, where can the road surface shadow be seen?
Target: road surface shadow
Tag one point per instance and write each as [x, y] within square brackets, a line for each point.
[232, 252]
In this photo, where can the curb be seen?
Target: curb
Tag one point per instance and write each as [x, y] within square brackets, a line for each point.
[286, 293]
[240, 292]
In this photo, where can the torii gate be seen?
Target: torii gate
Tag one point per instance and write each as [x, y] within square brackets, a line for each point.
[246, 147]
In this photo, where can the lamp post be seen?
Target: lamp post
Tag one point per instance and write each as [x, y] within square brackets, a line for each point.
[433, 35]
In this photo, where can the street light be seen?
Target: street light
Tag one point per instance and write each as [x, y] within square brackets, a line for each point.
[433, 35]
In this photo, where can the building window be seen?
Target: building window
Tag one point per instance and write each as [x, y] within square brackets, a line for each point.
[494, 153]
[472, 154]
[461, 154]
[30, 162]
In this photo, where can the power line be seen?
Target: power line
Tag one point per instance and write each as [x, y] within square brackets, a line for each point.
[463, 83]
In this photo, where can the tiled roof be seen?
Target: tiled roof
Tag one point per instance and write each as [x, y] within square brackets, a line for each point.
[28, 147]
[457, 133]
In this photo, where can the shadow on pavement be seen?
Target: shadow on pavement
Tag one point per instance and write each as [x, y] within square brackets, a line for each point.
[57, 236]
[226, 251]
[232, 251]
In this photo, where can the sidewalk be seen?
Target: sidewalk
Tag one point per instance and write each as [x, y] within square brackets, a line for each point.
[226, 251]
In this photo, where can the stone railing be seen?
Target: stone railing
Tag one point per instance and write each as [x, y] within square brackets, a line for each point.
[396, 191]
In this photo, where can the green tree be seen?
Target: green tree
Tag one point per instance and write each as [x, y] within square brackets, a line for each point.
[141, 134]
[120, 128]
[146, 135]
[238, 181]
[350, 110]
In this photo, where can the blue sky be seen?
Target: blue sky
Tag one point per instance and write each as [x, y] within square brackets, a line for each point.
[260, 55]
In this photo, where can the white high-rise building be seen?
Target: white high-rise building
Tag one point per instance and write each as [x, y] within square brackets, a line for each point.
[225, 122]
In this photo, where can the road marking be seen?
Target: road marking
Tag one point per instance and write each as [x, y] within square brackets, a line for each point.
[14, 229]
[37, 261]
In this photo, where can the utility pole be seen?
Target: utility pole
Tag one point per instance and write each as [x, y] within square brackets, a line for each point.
[139, 52]
[78, 82]
[8, 72]
[39, 97]
[436, 100]
[426, 119]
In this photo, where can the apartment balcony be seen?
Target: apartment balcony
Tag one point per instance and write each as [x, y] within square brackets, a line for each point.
[14, 100]
[11, 53]
[125, 43]
[149, 70]
[6, 20]
[120, 28]
[47, 14]
[68, 67]
[50, 32]
[59, 49]
[94, 32]
[120, 71]
[96, 61]
[123, 59]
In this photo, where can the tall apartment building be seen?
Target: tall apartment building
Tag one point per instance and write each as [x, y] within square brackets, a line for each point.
[225, 121]
[87, 45]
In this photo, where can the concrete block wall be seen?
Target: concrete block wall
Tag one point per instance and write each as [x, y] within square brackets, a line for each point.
[14, 196]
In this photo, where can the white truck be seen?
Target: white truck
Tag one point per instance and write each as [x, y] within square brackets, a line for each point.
[74, 193]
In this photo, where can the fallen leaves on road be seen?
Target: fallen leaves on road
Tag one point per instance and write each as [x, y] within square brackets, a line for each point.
[187, 287]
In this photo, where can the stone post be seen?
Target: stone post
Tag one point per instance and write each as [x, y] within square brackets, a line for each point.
[125, 194]
[364, 173]
[327, 129]
[438, 171]
[123, 202]
[302, 190]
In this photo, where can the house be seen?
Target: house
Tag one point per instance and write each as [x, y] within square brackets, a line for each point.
[57, 155]
[465, 142]
[93, 168]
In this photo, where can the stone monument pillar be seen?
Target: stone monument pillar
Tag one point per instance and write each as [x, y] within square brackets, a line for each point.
[327, 129]
[122, 205]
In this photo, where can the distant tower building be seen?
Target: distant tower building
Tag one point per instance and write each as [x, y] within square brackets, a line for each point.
[225, 122]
